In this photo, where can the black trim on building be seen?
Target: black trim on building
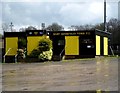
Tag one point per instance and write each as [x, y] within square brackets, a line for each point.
[101, 46]
[71, 33]
[14, 34]
[102, 33]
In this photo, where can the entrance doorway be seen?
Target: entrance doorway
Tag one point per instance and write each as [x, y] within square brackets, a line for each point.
[87, 47]
[58, 47]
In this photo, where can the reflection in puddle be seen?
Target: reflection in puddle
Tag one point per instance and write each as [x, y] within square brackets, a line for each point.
[103, 74]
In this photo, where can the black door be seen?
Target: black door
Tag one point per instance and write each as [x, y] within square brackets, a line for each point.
[86, 47]
[58, 44]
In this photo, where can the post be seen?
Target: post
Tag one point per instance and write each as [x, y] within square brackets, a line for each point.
[105, 15]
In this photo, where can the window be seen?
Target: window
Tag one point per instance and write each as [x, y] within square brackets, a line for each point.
[87, 41]
[61, 42]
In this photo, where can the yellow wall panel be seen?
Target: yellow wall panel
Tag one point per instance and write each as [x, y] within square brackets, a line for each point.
[97, 45]
[11, 42]
[105, 46]
[32, 43]
[72, 45]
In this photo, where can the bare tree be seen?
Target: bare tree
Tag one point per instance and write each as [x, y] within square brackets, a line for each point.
[99, 26]
[5, 27]
[22, 30]
[55, 27]
[113, 26]
[31, 28]
[81, 27]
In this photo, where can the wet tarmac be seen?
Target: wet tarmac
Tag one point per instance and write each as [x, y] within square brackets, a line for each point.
[100, 74]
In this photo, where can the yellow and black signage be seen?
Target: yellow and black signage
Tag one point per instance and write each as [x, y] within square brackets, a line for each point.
[35, 33]
[71, 33]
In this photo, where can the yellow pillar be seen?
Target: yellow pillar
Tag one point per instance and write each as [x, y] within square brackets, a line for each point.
[105, 46]
[97, 45]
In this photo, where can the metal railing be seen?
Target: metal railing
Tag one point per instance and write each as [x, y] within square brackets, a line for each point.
[61, 54]
[6, 53]
[112, 51]
[16, 58]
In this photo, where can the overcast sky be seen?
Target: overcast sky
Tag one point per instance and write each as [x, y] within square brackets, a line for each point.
[65, 12]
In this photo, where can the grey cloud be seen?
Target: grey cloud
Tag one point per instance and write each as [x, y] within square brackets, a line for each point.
[30, 13]
[56, 0]
[65, 13]
[79, 14]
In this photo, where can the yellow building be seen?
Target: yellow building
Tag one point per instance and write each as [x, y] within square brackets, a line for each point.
[71, 44]
[80, 44]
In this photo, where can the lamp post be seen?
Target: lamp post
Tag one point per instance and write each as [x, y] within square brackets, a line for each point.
[11, 25]
[43, 28]
[119, 10]
[105, 27]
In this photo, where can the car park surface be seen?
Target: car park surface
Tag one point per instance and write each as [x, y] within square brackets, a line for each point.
[100, 73]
